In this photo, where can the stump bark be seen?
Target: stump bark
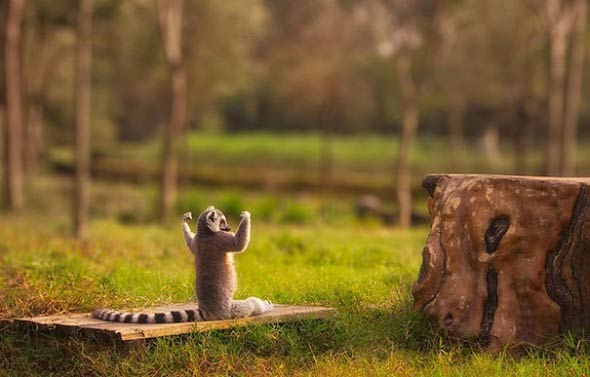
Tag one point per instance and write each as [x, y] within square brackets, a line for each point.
[507, 258]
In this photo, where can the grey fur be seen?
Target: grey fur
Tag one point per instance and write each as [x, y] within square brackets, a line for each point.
[214, 247]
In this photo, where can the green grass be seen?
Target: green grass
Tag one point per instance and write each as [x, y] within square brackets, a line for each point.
[361, 163]
[358, 153]
[303, 251]
[366, 272]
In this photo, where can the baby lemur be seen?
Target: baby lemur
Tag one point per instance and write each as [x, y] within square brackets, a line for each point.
[213, 247]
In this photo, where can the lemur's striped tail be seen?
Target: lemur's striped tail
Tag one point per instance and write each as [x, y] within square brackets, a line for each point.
[182, 315]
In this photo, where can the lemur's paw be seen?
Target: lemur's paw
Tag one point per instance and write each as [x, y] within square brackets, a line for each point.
[187, 216]
[245, 214]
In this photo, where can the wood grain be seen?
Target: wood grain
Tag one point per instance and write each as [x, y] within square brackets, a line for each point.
[507, 258]
[83, 322]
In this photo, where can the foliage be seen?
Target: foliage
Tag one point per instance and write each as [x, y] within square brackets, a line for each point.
[281, 65]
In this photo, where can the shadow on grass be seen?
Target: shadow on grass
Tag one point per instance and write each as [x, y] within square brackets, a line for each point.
[408, 330]
[359, 332]
[24, 352]
[27, 351]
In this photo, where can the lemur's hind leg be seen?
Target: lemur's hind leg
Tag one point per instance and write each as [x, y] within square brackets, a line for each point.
[249, 307]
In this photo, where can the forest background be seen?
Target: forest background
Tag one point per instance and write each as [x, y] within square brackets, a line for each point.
[318, 116]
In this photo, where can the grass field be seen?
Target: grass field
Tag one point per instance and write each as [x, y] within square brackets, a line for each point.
[363, 269]
[371, 153]
[361, 163]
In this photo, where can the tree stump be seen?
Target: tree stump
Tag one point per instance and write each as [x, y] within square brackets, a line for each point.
[507, 258]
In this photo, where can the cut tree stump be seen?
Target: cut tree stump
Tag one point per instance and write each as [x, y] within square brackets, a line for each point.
[507, 258]
[84, 323]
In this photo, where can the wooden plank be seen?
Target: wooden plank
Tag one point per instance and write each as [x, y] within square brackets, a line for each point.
[83, 322]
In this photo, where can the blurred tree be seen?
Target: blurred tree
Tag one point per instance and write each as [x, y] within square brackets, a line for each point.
[35, 65]
[220, 60]
[222, 56]
[170, 14]
[315, 53]
[307, 65]
[449, 62]
[490, 67]
[83, 89]
[140, 88]
[512, 66]
[574, 89]
[3, 11]
[50, 65]
[14, 126]
[527, 111]
[401, 27]
[409, 127]
[561, 17]
[330, 41]
[41, 54]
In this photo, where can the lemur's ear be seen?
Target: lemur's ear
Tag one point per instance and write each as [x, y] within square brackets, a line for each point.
[211, 219]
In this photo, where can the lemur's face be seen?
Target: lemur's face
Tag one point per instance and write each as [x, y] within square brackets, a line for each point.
[215, 220]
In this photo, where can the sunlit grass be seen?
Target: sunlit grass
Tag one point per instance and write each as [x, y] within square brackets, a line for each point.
[366, 272]
[360, 163]
[303, 251]
[368, 153]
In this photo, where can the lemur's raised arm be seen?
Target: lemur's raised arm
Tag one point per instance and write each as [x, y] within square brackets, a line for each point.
[216, 280]
[186, 230]
[238, 242]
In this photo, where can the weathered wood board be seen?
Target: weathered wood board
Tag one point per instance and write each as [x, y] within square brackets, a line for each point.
[84, 323]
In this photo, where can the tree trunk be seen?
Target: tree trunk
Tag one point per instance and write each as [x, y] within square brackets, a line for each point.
[574, 91]
[457, 140]
[3, 17]
[36, 68]
[326, 143]
[14, 126]
[524, 134]
[490, 143]
[408, 132]
[507, 258]
[34, 132]
[555, 118]
[170, 16]
[2, 137]
[171, 143]
[83, 88]
[560, 20]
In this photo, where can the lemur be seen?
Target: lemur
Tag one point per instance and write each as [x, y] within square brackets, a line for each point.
[213, 247]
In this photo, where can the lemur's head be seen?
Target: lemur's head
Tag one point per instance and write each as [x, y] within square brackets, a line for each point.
[212, 220]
